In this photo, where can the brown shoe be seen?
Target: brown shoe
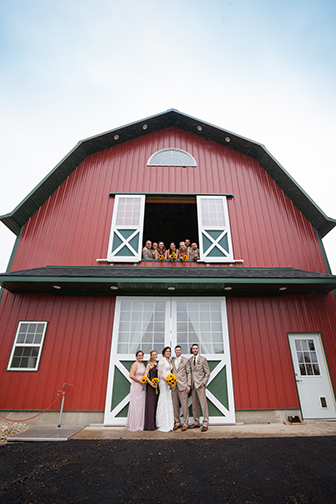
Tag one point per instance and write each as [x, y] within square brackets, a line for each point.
[194, 426]
[204, 429]
[184, 428]
[176, 427]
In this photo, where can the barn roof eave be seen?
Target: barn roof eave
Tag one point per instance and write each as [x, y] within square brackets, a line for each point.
[97, 280]
[20, 215]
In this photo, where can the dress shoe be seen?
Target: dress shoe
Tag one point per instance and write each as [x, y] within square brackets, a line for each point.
[194, 426]
[184, 428]
[204, 429]
[176, 427]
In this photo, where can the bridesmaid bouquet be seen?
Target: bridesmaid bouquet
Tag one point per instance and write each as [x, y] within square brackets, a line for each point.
[144, 380]
[155, 381]
[172, 256]
[171, 379]
[161, 257]
[185, 258]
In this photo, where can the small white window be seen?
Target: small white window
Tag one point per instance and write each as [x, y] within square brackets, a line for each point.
[171, 157]
[27, 348]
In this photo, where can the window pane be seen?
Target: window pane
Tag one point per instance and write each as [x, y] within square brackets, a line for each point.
[311, 345]
[128, 212]
[194, 325]
[29, 338]
[316, 369]
[25, 356]
[298, 344]
[302, 369]
[142, 325]
[21, 337]
[309, 369]
[212, 212]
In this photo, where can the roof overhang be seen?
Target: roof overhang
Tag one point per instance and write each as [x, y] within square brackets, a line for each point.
[112, 281]
[20, 215]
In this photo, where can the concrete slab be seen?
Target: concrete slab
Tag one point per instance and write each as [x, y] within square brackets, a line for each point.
[214, 432]
[45, 434]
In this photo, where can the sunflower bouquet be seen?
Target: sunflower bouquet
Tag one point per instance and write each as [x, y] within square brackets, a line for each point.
[173, 256]
[154, 382]
[161, 257]
[171, 379]
[185, 258]
[144, 380]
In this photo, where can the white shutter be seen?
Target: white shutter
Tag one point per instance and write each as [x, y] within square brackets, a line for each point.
[214, 229]
[125, 244]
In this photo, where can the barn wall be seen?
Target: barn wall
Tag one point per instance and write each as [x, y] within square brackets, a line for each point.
[263, 375]
[72, 227]
[76, 350]
[78, 341]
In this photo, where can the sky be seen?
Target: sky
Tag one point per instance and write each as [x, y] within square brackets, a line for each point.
[72, 69]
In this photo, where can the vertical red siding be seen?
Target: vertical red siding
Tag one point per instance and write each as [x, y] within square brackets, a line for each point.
[78, 341]
[262, 368]
[73, 226]
[76, 350]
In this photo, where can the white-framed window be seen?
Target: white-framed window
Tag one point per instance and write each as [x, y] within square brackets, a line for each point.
[142, 325]
[125, 242]
[27, 347]
[214, 229]
[171, 157]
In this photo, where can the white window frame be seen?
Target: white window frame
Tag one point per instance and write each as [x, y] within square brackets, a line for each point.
[125, 242]
[27, 345]
[224, 230]
[192, 162]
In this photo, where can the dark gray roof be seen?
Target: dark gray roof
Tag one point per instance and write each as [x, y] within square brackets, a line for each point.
[19, 216]
[227, 281]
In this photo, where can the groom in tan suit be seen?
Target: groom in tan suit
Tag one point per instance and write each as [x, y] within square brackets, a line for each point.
[200, 374]
[181, 370]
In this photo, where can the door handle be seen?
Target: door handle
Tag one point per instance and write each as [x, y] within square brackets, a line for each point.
[299, 380]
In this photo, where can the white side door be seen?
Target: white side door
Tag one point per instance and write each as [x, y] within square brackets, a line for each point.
[312, 377]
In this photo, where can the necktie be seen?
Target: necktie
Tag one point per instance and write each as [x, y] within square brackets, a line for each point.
[194, 361]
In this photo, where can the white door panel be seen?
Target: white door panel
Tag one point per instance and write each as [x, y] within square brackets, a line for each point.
[312, 377]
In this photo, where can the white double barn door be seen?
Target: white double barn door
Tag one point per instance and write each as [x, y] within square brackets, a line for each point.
[153, 323]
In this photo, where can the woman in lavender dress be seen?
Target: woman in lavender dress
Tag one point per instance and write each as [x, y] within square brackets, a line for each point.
[136, 410]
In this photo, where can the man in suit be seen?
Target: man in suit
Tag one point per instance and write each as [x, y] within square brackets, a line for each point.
[181, 370]
[200, 374]
[147, 251]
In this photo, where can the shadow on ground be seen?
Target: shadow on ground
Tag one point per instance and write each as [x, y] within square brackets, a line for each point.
[233, 471]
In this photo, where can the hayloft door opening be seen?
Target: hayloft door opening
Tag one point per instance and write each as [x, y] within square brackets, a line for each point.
[170, 219]
[312, 377]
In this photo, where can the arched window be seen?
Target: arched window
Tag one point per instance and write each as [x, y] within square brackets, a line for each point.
[171, 157]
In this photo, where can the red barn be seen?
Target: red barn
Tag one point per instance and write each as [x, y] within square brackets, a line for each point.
[78, 300]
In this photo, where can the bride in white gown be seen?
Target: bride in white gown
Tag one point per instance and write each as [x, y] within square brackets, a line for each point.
[164, 412]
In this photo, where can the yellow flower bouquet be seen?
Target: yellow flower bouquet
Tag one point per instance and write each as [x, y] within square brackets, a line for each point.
[154, 382]
[161, 257]
[144, 380]
[172, 256]
[171, 379]
[185, 258]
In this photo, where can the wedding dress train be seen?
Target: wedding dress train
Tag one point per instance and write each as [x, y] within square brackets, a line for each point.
[164, 412]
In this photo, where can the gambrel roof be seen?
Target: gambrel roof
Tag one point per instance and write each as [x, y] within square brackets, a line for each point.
[22, 213]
